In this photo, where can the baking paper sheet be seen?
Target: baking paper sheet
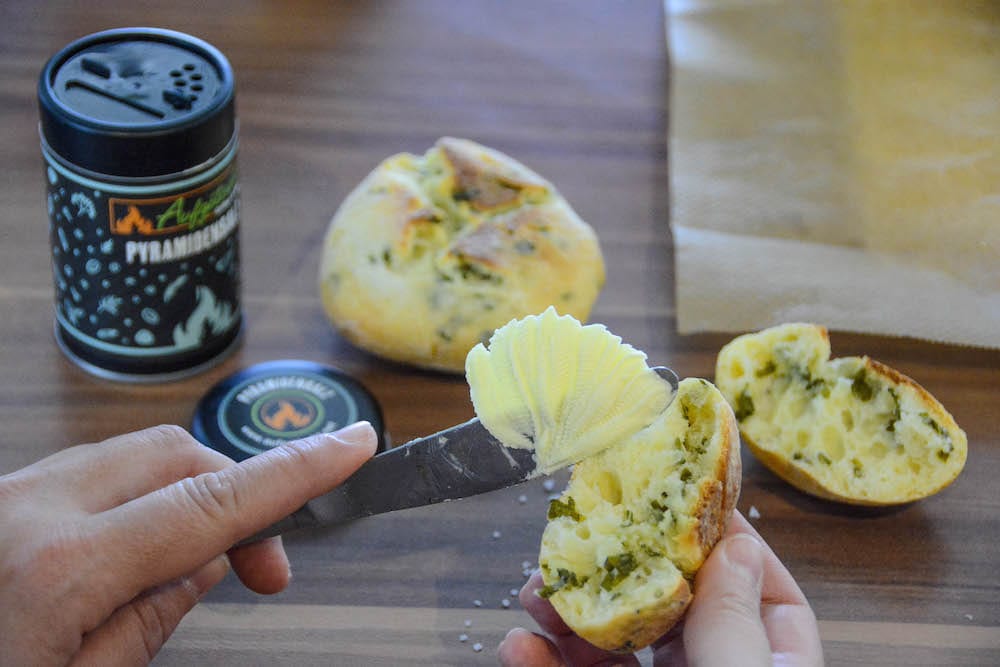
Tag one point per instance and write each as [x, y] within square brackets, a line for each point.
[837, 162]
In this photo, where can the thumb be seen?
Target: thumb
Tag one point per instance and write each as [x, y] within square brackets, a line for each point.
[134, 633]
[723, 625]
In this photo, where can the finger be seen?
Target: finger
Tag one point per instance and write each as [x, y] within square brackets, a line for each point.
[779, 587]
[668, 650]
[541, 610]
[723, 625]
[794, 635]
[788, 619]
[521, 648]
[134, 633]
[96, 477]
[262, 566]
[575, 649]
[168, 532]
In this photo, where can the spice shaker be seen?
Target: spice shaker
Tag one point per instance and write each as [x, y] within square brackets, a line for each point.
[139, 136]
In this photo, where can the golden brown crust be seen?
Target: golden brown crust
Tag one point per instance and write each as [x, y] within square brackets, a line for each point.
[486, 181]
[630, 625]
[641, 629]
[720, 502]
[851, 430]
[429, 254]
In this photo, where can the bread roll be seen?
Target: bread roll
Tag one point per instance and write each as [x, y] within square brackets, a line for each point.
[851, 429]
[430, 254]
[655, 482]
[636, 522]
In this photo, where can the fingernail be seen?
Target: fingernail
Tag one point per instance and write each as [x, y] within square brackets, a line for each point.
[744, 553]
[503, 646]
[209, 575]
[357, 434]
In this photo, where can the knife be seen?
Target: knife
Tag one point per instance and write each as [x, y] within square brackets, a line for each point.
[458, 462]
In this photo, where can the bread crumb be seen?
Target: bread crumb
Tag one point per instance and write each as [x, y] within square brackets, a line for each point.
[753, 513]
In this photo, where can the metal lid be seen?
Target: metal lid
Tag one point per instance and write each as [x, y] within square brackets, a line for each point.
[268, 404]
[137, 102]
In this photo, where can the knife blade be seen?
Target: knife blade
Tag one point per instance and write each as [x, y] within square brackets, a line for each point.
[458, 462]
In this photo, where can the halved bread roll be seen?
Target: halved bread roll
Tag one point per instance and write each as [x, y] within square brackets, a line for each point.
[627, 536]
[851, 429]
[655, 480]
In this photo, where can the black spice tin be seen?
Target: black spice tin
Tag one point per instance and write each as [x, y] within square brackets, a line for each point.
[139, 135]
[271, 403]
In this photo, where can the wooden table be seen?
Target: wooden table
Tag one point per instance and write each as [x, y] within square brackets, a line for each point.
[577, 90]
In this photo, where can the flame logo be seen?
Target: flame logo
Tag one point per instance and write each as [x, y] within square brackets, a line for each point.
[132, 222]
[287, 414]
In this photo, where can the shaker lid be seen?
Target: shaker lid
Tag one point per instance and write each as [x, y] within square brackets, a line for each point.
[137, 102]
[268, 404]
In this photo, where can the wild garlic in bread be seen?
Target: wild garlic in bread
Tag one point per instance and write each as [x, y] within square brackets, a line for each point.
[851, 429]
[430, 253]
[654, 486]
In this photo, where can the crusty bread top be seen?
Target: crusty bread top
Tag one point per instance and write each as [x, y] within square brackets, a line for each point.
[849, 429]
[637, 521]
[430, 254]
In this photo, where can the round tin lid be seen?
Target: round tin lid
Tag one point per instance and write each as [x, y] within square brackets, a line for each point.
[137, 102]
[272, 403]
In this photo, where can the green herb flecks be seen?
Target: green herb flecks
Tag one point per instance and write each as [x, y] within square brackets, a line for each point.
[558, 508]
[824, 459]
[744, 406]
[470, 271]
[766, 369]
[948, 447]
[618, 568]
[895, 415]
[860, 386]
[465, 195]
[650, 551]
[524, 247]
[566, 580]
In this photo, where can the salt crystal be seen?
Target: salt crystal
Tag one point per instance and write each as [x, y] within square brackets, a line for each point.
[513, 592]
[496, 534]
[477, 647]
[477, 603]
[549, 484]
[522, 499]
[968, 617]
[505, 603]
[753, 513]
[525, 564]
[463, 638]
[468, 622]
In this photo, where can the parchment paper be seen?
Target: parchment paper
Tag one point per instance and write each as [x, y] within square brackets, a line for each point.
[837, 162]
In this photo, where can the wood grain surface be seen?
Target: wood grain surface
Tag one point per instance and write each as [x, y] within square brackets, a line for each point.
[579, 91]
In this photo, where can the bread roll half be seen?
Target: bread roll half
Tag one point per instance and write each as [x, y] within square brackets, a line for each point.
[627, 536]
[851, 429]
